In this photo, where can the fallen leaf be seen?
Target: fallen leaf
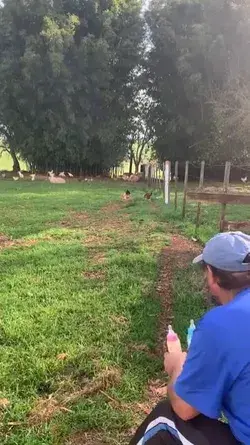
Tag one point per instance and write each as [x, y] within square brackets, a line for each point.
[4, 403]
[155, 383]
[144, 407]
[160, 391]
[62, 356]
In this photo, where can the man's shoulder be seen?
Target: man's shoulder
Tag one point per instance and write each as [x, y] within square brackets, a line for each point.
[221, 319]
[212, 316]
[216, 320]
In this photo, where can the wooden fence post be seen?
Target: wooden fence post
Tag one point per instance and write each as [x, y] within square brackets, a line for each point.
[176, 184]
[149, 175]
[225, 188]
[159, 178]
[167, 182]
[201, 183]
[185, 190]
[152, 175]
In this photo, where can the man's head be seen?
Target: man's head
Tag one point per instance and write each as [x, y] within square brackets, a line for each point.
[226, 261]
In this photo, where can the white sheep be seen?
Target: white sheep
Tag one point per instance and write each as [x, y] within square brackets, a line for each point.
[56, 180]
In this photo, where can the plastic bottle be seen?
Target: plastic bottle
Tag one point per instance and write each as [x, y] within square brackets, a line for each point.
[173, 341]
[190, 333]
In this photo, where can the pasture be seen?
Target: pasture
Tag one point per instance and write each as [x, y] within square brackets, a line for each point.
[79, 310]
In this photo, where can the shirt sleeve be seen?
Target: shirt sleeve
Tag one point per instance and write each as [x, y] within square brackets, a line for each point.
[203, 381]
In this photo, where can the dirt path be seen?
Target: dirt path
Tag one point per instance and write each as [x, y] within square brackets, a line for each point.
[178, 254]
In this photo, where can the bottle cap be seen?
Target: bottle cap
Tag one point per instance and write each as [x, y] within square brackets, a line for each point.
[171, 335]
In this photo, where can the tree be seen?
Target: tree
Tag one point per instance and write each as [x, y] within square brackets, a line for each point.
[196, 48]
[8, 145]
[141, 128]
[65, 69]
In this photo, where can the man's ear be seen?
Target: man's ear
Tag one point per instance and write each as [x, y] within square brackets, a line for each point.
[209, 271]
[211, 278]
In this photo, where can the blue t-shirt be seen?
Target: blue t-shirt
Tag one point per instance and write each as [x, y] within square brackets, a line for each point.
[216, 375]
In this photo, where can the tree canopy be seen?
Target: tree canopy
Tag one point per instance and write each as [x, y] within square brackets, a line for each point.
[65, 74]
[196, 63]
[83, 82]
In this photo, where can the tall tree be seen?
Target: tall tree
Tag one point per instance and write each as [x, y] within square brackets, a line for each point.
[193, 54]
[65, 69]
[141, 130]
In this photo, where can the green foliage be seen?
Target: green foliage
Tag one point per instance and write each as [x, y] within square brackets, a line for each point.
[197, 48]
[65, 69]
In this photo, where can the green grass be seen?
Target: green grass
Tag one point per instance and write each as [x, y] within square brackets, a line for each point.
[77, 275]
[188, 301]
[56, 296]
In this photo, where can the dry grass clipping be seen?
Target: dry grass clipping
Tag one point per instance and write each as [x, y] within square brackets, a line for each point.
[108, 378]
[94, 275]
[46, 408]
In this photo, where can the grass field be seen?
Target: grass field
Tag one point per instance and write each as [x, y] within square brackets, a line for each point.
[78, 313]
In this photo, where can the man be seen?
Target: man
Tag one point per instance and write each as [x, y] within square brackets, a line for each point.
[214, 377]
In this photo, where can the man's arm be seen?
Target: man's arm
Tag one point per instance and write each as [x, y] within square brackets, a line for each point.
[173, 366]
[206, 375]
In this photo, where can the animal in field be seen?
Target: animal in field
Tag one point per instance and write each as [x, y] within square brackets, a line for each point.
[62, 175]
[126, 196]
[33, 176]
[134, 178]
[56, 180]
[148, 195]
[3, 175]
[20, 175]
[244, 179]
[70, 175]
[15, 178]
[51, 173]
[236, 225]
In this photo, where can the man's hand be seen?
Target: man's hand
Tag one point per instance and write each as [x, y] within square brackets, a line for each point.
[173, 362]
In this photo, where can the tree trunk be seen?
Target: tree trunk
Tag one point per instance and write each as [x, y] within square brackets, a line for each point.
[16, 165]
[131, 162]
[137, 164]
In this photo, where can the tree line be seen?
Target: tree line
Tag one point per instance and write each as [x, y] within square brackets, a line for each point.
[84, 83]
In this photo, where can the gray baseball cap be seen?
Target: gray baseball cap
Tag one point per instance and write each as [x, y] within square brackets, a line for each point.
[227, 251]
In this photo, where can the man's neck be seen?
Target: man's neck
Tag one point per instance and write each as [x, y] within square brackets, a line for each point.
[230, 295]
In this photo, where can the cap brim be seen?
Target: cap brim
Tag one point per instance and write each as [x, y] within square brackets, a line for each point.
[198, 259]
